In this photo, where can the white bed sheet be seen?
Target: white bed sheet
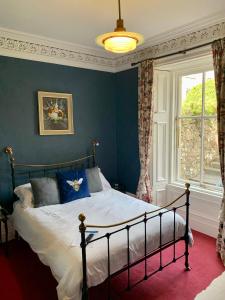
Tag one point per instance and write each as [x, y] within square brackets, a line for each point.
[53, 233]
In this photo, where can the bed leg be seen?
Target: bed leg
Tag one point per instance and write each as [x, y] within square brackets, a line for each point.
[187, 267]
[17, 237]
[82, 228]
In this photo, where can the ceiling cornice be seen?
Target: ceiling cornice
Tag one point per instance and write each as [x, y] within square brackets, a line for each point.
[32, 47]
[182, 42]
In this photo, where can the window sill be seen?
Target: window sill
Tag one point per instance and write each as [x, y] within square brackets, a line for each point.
[203, 192]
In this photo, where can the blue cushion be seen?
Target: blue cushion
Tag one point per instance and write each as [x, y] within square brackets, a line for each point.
[72, 185]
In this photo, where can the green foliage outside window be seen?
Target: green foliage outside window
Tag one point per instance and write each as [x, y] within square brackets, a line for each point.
[190, 135]
[192, 105]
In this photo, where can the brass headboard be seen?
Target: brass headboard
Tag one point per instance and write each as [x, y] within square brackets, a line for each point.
[27, 170]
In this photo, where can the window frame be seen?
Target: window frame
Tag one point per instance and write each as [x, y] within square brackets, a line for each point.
[188, 67]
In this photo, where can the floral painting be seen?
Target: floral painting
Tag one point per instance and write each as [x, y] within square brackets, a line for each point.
[55, 113]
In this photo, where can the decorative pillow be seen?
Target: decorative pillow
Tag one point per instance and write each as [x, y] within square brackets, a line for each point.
[105, 184]
[72, 185]
[25, 194]
[94, 181]
[45, 191]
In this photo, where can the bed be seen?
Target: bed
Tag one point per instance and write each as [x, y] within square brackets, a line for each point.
[127, 231]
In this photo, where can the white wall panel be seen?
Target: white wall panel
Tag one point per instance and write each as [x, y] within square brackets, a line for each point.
[160, 154]
[204, 209]
[161, 150]
[162, 89]
[161, 197]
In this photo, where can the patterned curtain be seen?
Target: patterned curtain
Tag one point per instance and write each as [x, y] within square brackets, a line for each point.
[145, 120]
[218, 48]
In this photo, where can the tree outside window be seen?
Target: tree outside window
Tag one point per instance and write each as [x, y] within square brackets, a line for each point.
[197, 144]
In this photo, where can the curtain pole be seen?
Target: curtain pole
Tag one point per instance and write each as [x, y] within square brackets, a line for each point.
[175, 53]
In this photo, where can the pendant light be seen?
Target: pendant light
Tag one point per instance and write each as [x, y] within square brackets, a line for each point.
[120, 40]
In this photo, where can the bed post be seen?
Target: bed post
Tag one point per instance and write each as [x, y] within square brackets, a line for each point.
[187, 267]
[95, 144]
[82, 228]
[9, 152]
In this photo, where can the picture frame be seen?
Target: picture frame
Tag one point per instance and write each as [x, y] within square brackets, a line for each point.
[55, 113]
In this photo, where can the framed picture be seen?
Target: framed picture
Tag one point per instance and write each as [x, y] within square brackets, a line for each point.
[55, 113]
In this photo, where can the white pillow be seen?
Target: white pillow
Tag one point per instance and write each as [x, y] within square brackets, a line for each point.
[105, 184]
[25, 194]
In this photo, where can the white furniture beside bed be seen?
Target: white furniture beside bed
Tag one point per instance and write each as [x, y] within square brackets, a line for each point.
[215, 291]
[128, 231]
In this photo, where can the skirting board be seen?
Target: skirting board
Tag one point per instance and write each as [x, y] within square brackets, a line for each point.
[202, 224]
[204, 209]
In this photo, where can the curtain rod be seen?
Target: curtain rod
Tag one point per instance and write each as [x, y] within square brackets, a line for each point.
[174, 53]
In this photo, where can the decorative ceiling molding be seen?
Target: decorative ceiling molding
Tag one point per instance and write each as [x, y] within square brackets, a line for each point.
[177, 44]
[26, 46]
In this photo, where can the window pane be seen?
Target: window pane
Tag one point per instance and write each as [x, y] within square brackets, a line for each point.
[210, 94]
[211, 167]
[189, 152]
[191, 95]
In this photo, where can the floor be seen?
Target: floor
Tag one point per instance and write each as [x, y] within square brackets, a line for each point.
[24, 277]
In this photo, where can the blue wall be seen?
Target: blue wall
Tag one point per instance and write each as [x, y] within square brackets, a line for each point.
[94, 97]
[127, 128]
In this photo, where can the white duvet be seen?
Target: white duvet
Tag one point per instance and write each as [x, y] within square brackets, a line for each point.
[53, 233]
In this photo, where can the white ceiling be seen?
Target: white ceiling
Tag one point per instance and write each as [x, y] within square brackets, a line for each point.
[80, 21]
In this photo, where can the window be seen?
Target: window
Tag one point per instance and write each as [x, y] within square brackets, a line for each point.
[197, 158]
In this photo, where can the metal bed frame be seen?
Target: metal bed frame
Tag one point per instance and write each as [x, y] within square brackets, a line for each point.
[45, 169]
[28, 170]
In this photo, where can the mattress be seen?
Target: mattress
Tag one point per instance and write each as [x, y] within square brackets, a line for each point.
[53, 233]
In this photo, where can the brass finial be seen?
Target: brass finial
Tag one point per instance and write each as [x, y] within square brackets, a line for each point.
[82, 217]
[9, 151]
[95, 143]
[82, 226]
[187, 185]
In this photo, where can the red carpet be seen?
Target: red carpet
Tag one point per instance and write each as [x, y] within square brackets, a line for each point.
[24, 277]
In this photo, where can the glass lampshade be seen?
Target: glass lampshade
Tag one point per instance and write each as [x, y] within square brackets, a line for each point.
[120, 41]
[120, 44]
